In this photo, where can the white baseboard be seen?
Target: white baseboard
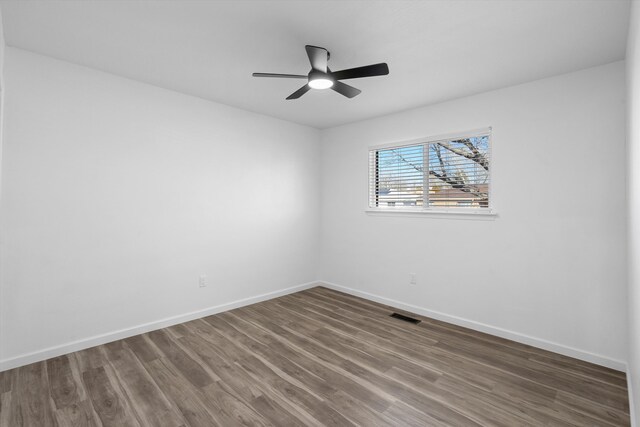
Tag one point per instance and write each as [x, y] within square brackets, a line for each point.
[47, 353]
[493, 330]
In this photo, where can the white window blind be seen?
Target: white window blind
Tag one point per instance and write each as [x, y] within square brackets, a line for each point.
[443, 174]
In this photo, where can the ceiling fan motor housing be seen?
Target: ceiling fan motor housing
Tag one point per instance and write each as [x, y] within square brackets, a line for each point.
[315, 75]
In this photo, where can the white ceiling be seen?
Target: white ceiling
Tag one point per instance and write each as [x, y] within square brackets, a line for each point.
[436, 50]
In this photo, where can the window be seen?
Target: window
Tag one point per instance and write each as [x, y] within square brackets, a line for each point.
[437, 174]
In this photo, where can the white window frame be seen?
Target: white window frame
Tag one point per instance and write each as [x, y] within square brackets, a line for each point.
[488, 212]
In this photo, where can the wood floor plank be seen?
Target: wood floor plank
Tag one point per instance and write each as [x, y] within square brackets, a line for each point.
[276, 414]
[7, 380]
[468, 405]
[235, 410]
[284, 384]
[474, 369]
[318, 408]
[89, 358]
[5, 409]
[362, 401]
[78, 414]
[328, 372]
[587, 372]
[468, 370]
[147, 400]
[405, 415]
[459, 387]
[62, 383]
[112, 408]
[589, 389]
[555, 359]
[180, 359]
[350, 364]
[243, 385]
[358, 412]
[314, 358]
[187, 398]
[481, 375]
[143, 348]
[32, 396]
[593, 409]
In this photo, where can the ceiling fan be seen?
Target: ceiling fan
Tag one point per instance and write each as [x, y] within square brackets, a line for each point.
[321, 77]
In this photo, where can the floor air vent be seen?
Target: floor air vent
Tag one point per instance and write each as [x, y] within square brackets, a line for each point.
[406, 318]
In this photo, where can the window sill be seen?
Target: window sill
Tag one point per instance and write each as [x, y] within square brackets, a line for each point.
[436, 213]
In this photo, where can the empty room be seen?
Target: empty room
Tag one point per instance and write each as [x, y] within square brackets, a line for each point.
[319, 213]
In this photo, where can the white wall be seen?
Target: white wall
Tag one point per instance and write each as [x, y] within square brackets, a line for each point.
[550, 270]
[633, 189]
[2, 50]
[118, 195]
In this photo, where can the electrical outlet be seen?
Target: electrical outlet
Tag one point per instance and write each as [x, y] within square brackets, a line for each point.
[203, 281]
[412, 278]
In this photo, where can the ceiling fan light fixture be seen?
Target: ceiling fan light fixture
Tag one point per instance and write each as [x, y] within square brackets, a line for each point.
[320, 83]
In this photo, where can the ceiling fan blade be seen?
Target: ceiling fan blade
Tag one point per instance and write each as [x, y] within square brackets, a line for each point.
[381, 69]
[318, 57]
[297, 94]
[345, 89]
[282, 76]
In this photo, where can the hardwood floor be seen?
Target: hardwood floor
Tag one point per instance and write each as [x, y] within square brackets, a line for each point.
[317, 357]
